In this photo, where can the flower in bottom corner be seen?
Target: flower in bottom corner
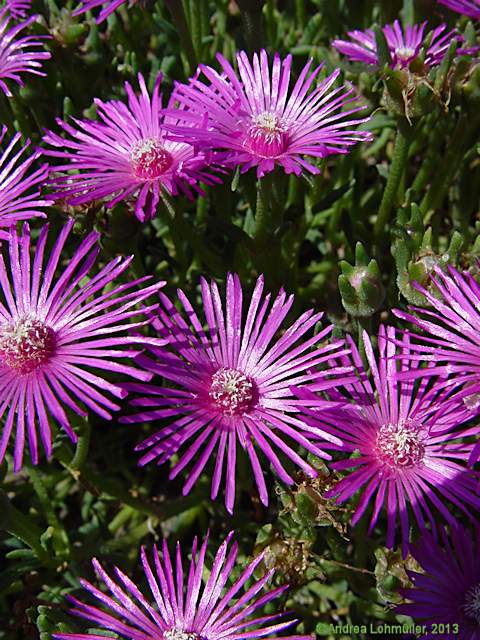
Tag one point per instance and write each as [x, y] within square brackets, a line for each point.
[59, 334]
[195, 609]
[404, 443]
[446, 595]
[229, 385]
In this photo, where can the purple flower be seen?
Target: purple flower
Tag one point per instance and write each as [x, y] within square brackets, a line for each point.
[469, 8]
[109, 7]
[125, 156]
[451, 339]
[53, 332]
[233, 385]
[19, 190]
[448, 592]
[407, 439]
[259, 121]
[20, 55]
[179, 611]
[19, 9]
[404, 46]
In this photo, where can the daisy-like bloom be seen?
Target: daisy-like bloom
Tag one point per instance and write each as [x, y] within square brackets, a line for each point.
[19, 9]
[469, 8]
[448, 592]
[213, 610]
[260, 121]
[451, 338]
[19, 190]
[233, 385]
[125, 156]
[19, 55]
[54, 331]
[108, 7]
[408, 439]
[404, 45]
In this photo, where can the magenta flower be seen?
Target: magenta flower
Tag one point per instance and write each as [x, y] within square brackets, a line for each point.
[19, 9]
[22, 55]
[469, 8]
[109, 7]
[448, 592]
[125, 156]
[19, 190]
[180, 611]
[404, 46]
[53, 332]
[451, 338]
[409, 441]
[232, 385]
[259, 121]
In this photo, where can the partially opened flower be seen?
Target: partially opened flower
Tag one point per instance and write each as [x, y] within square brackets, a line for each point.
[179, 609]
[20, 55]
[19, 9]
[57, 336]
[125, 156]
[232, 386]
[19, 189]
[469, 8]
[408, 440]
[261, 121]
[108, 7]
[404, 44]
[448, 591]
[451, 333]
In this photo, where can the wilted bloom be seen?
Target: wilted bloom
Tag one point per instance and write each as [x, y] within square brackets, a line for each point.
[260, 121]
[407, 437]
[108, 7]
[232, 385]
[22, 55]
[55, 331]
[451, 338]
[215, 609]
[404, 45]
[469, 8]
[448, 591]
[19, 191]
[125, 156]
[19, 9]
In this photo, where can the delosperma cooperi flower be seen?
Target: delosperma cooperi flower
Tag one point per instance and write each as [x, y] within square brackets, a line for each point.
[108, 7]
[19, 189]
[409, 439]
[260, 121]
[232, 386]
[214, 610]
[446, 595]
[404, 44]
[125, 156]
[19, 55]
[58, 334]
[470, 8]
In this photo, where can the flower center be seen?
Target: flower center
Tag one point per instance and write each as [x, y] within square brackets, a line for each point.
[149, 159]
[177, 634]
[266, 135]
[26, 345]
[400, 445]
[231, 391]
[404, 54]
[471, 607]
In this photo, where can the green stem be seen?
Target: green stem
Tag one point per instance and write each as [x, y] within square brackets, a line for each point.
[252, 18]
[83, 443]
[397, 168]
[178, 14]
[263, 212]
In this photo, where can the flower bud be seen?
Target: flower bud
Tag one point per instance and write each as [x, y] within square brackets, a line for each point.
[361, 285]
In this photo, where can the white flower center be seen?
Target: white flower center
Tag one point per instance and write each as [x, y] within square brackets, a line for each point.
[177, 634]
[266, 136]
[231, 391]
[404, 53]
[400, 445]
[149, 159]
[471, 607]
[26, 345]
